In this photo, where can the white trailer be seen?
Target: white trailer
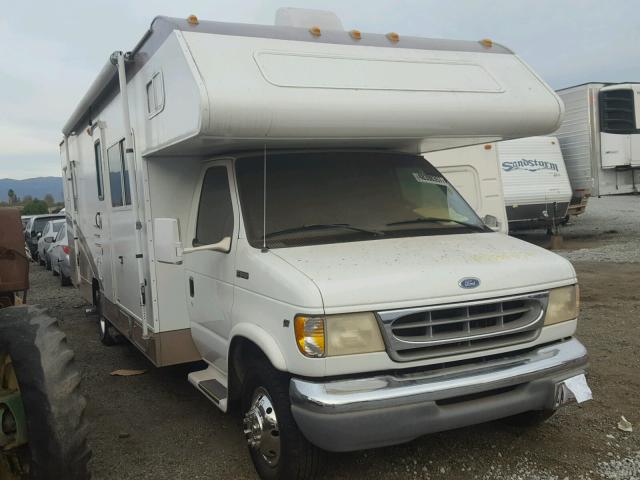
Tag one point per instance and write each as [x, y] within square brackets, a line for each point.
[254, 196]
[475, 173]
[536, 186]
[600, 139]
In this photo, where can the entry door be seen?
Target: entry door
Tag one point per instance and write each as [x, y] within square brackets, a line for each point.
[209, 275]
[122, 226]
[101, 225]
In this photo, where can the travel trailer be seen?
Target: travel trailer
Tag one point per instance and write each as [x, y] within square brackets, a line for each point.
[600, 139]
[254, 196]
[536, 186]
[474, 172]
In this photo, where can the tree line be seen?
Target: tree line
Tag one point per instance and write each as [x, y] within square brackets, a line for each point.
[30, 205]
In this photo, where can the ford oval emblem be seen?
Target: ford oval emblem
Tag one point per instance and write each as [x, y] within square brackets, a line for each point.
[469, 282]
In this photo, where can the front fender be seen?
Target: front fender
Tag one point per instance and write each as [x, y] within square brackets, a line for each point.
[263, 340]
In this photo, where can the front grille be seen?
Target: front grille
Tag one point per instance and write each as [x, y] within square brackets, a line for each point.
[434, 331]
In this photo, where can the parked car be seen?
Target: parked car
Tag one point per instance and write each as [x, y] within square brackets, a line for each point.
[48, 236]
[34, 230]
[59, 257]
[25, 221]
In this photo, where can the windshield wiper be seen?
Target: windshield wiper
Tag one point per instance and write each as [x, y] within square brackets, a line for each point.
[434, 219]
[323, 226]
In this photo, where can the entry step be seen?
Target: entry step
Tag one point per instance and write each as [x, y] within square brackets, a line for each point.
[211, 383]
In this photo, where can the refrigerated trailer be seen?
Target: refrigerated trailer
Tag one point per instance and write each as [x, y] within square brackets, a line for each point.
[255, 197]
[600, 139]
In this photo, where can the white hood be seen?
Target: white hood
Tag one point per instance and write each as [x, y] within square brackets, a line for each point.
[402, 272]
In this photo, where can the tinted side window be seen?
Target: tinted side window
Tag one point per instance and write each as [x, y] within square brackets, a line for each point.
[118, 176]
[97, 151]
[215, 211]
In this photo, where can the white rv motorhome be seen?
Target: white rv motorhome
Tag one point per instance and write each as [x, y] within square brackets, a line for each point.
[536, 186]
[600, 139]
[474, 173]
[254, 196]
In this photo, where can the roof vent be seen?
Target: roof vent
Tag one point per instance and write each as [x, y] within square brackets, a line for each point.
[307, 18]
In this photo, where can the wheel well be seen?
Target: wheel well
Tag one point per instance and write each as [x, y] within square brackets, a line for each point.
[242, 352]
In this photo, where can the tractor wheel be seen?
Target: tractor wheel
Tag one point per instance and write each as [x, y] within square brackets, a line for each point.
[48, 381]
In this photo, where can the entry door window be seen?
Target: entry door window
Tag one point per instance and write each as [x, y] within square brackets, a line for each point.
[118, 176]
[215, 211]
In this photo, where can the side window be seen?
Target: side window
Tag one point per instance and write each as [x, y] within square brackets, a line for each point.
[97, 151]
[61, 233]
[155, 94]
[118, 176]
[215, 211]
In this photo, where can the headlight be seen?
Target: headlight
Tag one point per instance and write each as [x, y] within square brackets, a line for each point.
[564, 304]
[335, 335]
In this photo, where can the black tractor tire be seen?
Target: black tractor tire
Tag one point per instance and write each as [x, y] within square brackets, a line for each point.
[299, 459]
[49, 381]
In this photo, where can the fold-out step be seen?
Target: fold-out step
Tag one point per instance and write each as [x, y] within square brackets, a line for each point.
[211, 383]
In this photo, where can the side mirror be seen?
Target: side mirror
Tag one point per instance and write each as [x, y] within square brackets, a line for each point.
[223, 246]
[167, 240]
[492, 222]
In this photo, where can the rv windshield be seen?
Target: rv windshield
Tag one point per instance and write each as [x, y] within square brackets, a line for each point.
[331, 197]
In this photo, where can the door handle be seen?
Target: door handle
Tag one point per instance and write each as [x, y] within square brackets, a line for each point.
[191, 287]
[97, 220]
[121, 258]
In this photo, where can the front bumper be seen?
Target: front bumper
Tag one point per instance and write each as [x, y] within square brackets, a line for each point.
[355, 414]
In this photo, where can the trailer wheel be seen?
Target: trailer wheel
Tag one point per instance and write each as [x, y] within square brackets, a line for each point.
[48, 381]
[277, 447]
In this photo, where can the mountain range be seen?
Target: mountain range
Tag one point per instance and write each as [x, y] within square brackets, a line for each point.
[36, 187]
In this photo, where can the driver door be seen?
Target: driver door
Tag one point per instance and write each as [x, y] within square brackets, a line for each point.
[210, 275]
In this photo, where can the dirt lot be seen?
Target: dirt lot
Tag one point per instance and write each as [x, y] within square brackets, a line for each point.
[156, 426]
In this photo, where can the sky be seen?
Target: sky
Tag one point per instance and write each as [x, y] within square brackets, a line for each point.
[50, 52]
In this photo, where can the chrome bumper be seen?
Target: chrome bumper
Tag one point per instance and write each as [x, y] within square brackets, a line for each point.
[355, 414]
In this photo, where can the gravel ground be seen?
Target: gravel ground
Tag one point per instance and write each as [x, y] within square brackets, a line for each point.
[608, 231]
[156, 426]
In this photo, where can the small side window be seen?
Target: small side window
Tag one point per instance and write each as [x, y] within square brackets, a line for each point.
[215, 211]
[118, 176]
[97, 151]
[155, 94]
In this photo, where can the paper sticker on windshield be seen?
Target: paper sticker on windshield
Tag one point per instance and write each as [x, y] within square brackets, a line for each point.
[422, 177]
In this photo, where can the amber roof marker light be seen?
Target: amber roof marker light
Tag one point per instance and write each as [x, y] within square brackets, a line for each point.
[393, 37]
[486, 42]
[355, 34]
[315, 31]
[192, 20]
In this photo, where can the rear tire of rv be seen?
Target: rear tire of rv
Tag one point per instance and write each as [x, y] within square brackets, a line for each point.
[108, 336]
[296, 458]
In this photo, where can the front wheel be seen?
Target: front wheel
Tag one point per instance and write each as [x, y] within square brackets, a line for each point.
[278, 449]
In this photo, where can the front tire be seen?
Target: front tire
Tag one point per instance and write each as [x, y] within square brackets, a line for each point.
[48, 382]
[278, 449]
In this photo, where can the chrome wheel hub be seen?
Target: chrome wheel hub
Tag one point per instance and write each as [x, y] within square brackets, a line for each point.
[261, 427]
